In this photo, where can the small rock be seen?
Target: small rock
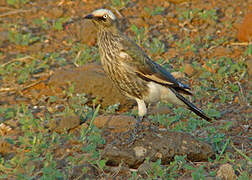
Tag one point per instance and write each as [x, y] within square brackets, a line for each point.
[210, 30]
[172, 52]
[4, 36]
[189, 69]
[220, 52]
[229, 12]
[140, 151]
[77, 172]
[83, 31]
[91, 80]
[178, 74]
[160, 110]
[64, 123]
[115, 123]
[164, 145]
[56, 12]
[226, 172]
[5, 147]
[36, 47]
[166, 4]
[245, 29]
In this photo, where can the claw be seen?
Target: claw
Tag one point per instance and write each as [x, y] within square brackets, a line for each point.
[138, 124]
[134, 134]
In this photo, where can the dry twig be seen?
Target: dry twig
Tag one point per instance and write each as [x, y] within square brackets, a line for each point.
[16, 12]
[241, 44]
[22, 59]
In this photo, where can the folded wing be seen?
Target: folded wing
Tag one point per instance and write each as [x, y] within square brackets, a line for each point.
[148, 69]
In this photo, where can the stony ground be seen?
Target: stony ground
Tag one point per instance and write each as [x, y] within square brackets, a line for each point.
[61, 118]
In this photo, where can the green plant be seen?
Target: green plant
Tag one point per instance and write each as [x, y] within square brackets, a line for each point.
[83, 54]
[23, 67]
[204, 14]
[42, 22]
[244, 176]
[198, 173]
[23, 39]
[112, 108]
[218, 140]
[157, 10]
[188, 14]
[152, 12]
[8, 113]
[50, 170]
[155, 46]
[176, 165]
[58, 23]
[17, 3]
[186, 45]
[140, 34]
[248, 51]
[119, 3]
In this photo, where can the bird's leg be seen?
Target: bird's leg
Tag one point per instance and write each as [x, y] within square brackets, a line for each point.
[138, 126]
[142, 110]
[150, 106]
[135, 133]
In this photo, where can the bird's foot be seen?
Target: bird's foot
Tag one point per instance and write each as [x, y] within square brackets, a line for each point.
[139, 126]
[135, 133]
[152, 128]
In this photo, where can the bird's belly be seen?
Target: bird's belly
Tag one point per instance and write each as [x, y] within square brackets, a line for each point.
[158, 92]
[154, 92]
[127, 81]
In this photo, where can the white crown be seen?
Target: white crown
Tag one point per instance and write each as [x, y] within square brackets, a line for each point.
[102, 12]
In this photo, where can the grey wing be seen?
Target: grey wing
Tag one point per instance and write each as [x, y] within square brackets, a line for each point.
[145, 68]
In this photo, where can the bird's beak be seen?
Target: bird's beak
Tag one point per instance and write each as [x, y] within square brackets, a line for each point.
[90, 16]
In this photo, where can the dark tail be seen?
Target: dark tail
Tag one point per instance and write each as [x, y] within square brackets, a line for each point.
[191, 106]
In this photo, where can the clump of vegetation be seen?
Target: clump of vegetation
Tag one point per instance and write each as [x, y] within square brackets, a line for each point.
[33, 46]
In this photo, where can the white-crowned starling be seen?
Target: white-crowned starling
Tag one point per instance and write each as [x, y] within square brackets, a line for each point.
[132, 71]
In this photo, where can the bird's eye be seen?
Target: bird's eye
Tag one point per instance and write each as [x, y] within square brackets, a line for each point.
[105, 16]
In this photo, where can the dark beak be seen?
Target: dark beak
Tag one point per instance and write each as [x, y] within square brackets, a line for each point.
[90, 16]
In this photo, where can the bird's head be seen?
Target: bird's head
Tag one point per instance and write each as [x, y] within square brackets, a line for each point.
[103, 18]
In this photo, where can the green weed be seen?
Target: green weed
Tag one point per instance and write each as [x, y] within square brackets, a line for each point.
[248, 51]
[23, 39]
[119, 3]
[42, 22]
[17, 3]
[140, 34]
[203, 14]
[58, 23]
[152, 12]
[155, 46]
[83, 54]
[186, 45]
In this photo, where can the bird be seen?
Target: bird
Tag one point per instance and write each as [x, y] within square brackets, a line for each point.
[133, 72]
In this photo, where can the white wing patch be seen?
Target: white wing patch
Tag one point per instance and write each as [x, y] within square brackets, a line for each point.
[102, 12]
[123, 54]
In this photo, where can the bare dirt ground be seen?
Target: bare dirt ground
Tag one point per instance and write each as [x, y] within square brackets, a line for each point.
[52, 86]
